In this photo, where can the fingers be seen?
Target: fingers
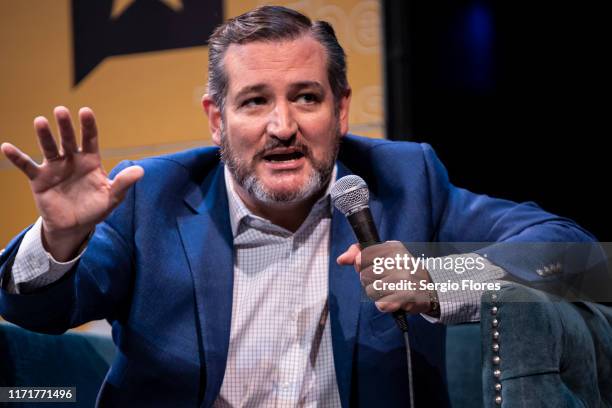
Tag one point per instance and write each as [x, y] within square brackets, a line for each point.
[46, 141]
[21, 160]
[124, 180]
[399, 301]
[89, 131]
[48, 144]
[387, 306]
[349, 257]
[384, 249]
[381, 287]
[389, 300]
[66, 131]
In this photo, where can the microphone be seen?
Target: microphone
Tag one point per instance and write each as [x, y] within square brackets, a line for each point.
[350, 195]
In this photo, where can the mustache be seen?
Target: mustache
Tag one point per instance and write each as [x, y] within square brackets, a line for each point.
[274, 143]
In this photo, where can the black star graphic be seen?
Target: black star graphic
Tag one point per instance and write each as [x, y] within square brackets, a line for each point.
[104, 28]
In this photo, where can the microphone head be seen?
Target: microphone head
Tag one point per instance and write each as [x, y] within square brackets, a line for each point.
[350, 194]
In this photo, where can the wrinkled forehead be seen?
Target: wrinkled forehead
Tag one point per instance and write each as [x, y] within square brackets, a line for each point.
[275, 64]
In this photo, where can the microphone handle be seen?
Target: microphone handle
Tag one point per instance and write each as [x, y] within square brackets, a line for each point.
[367, 235]
[364, 228]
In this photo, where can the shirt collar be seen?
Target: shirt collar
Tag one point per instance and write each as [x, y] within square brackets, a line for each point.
[239, 212]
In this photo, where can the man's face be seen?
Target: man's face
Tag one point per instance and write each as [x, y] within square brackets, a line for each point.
[280, 130]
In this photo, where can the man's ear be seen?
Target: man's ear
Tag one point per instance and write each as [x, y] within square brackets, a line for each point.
[214, 118]
[343, 112]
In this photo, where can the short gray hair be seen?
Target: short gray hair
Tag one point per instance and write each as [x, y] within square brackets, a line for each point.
[272, 23]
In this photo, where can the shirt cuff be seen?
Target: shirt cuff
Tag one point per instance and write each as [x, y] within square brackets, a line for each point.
[34, 267]
[460, 300]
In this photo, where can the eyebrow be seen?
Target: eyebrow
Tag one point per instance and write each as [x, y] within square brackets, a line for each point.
[250, 89]
[307, 84]
[293, 88]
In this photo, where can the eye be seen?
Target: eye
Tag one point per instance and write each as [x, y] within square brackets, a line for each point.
[308, 98]
[255, 101]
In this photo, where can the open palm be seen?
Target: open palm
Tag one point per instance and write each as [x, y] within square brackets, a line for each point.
[71, 189]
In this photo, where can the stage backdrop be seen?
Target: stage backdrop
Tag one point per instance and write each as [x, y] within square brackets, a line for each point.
[141, 65]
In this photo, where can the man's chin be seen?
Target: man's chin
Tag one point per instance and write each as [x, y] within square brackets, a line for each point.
[286, 196]
[284, 188]
[280, 194]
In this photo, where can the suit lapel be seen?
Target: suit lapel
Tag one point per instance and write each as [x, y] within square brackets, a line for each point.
[207, 239]
[345, 296]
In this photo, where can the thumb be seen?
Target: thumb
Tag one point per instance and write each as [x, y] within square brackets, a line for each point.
[124, 180]
[351, 255]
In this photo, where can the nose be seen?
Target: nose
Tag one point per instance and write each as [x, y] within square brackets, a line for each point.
[281, 123]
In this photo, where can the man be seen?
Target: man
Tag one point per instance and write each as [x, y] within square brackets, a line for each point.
[220, 278]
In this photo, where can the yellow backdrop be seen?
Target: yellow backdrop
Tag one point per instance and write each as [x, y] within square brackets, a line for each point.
[147, 103]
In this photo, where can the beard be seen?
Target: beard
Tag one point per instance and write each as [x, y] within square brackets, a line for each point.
[245, 175]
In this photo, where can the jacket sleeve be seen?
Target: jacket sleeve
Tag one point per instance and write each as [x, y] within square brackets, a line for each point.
[97, 287]
[526, 241]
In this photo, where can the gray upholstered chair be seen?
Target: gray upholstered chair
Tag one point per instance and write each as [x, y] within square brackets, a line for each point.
[534, 350]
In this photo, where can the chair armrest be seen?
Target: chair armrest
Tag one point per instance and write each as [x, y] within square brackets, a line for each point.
[539, 350]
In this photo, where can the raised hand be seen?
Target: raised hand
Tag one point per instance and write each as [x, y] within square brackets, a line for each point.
[71, 189]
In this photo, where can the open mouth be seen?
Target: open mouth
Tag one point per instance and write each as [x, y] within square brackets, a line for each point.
[283, 156]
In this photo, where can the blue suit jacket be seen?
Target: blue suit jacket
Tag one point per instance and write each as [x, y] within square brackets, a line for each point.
[160, 269]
